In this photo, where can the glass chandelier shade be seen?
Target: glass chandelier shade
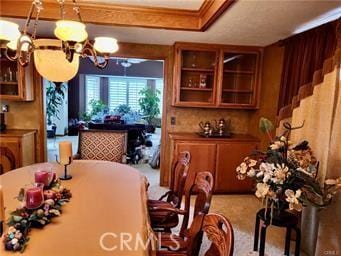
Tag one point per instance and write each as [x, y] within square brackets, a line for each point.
[105, 45]
[9, 31]
[50, 61]
[70, 31]
[24, 39]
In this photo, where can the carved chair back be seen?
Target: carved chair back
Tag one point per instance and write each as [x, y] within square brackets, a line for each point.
[202, 186]
[180, 168]
[219, 231]
[9, 156]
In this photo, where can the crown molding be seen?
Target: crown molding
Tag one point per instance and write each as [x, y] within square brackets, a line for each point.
[126, 15]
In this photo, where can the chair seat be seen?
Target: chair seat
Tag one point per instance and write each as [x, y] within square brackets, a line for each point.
[162, 219]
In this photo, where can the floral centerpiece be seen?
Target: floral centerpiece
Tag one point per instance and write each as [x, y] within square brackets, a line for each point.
[23, 219]
[286, 175]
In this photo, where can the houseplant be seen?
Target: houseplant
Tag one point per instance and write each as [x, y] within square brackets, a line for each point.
[286, 175]
[149, 104]
[54, 100]
[96, 107]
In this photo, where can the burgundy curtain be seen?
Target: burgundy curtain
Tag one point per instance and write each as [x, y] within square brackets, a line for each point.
[304, 54]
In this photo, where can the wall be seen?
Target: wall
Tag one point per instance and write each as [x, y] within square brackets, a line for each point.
[271, 78]
[148, 69]
[30, 115]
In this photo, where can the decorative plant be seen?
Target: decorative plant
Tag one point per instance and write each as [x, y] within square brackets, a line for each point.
[54, 99]
[96, 106]
[123, 109]
[149, 104]
[286, 175]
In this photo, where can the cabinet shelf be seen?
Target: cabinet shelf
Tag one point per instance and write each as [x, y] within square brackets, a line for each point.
[249, 72]
[196, 89]
[198, 69]
[237, 91]
[8, 83]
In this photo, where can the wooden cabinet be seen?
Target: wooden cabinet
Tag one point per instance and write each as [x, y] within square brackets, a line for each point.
[204, 155]
[216, 76]
[17, 149]
[229, 156]
[221, 156]
[16, 82]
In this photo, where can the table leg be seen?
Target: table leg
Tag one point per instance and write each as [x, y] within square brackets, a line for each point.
[256, 237]
[262, 239]
[287, 242]
[298, 241]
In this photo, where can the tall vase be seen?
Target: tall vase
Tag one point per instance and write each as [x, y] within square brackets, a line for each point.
[309, 227]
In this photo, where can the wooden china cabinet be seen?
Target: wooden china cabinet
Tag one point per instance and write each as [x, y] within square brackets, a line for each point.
[216, 76]
[15, 81]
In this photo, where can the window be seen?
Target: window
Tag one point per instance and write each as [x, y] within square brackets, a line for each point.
[125, 91]
[159, 86]
[92, 90]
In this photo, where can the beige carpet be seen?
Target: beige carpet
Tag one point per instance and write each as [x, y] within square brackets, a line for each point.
[239, 209]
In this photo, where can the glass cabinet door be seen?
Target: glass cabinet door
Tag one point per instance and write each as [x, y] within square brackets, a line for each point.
[197, 76]
[8, 77]
[239, 78]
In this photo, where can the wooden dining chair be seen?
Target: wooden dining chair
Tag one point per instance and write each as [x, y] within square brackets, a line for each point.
[218, 230]
[107, 145]
[7, 160]
[165, 220]
[202, 185]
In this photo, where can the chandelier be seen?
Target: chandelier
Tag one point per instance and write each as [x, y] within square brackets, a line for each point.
[55, 59]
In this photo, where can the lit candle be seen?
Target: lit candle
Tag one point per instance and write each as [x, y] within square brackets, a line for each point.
[2, 206]
[65, 152]
[34, 197]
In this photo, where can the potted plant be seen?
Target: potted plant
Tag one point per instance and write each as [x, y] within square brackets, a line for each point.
[54, 99]
[96, 106]
[149, 104]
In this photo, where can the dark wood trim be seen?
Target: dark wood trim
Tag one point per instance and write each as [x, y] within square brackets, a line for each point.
[127, 15]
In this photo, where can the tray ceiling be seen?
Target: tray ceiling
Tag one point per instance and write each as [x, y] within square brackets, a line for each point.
[175, 4]
[246, 23]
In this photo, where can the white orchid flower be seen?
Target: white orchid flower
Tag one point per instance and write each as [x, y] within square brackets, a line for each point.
[292, 199]
[242, 168]
[251, 173]
[280, 174]
[266, 167]
[266, 177]
[262, 190]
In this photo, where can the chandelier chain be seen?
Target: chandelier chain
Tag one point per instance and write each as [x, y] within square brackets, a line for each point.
[62, 10]
[77, 10]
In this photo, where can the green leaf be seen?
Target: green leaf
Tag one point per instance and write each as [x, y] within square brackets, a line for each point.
[265, 125]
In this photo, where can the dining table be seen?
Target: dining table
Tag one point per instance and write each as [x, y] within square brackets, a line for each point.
[107, 214]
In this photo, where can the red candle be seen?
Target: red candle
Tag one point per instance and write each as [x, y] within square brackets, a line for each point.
[42, 177]
[34, 197]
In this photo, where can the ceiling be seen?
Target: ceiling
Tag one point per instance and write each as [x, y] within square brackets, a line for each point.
[175, 4]
[247, 22]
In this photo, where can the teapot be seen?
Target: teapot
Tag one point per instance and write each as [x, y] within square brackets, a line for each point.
[206, 128]
[221, 125]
